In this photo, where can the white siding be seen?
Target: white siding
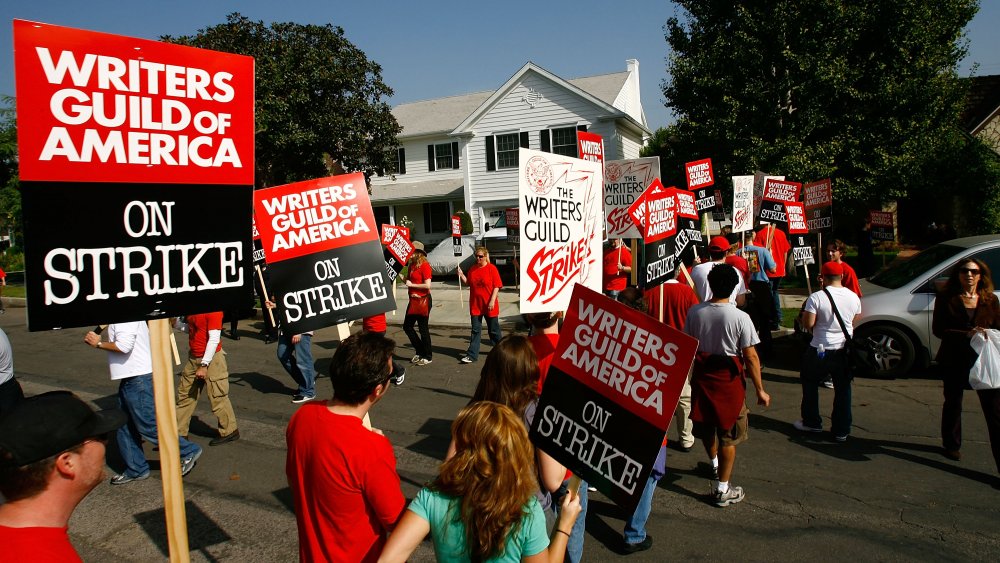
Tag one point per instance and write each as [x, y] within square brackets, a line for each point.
[416, 162]
[554, 107]
[630, 145]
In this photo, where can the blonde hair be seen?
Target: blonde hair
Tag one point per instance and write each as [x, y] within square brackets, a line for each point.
[492, 473]
[483, 250]
[417, 257]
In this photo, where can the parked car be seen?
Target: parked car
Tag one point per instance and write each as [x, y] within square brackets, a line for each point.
[502, 252]
[898, 303]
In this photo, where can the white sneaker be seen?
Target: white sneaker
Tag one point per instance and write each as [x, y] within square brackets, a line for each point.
[423, 361]
[415, 359]
[465, 360]
[732, 496]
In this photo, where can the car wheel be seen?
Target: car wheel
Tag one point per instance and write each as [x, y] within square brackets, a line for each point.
[893, 350]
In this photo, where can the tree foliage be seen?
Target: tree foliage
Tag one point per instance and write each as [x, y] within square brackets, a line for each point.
[10, 194]
[319, 99]
[866, 93]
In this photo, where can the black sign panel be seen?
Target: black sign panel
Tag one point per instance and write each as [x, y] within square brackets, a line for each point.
[774, 212]
[104, 253]
[704, 199]
[660, 260]
[802, 249]
[393, 267]
[331, 287]
[456, 245]
[688, 235]
[595, 438]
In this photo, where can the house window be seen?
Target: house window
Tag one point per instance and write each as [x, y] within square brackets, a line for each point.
[442, 156]
[400, 160]
[564, 141]
[437, 217]
[507, 146]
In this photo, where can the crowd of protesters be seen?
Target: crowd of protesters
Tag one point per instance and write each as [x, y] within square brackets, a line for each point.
[496, 496]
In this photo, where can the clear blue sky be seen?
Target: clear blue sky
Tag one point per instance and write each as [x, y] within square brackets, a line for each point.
[443, 48]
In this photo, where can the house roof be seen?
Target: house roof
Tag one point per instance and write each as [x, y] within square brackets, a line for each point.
[444, 115]
[982, 102]
[438, 115]
[399, 192]
[513, 81]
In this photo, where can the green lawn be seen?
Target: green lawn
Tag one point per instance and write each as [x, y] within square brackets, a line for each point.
[13, 291]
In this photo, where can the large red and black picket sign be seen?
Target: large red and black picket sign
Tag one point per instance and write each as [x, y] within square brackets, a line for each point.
[882, 225]
[611, 390]
[658, 238]
[323, 252]
[818, 200]
[137, 166]
[776, 194]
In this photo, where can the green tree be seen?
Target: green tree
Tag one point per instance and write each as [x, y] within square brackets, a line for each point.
[319, 99]
[864, 92]
[10, 188]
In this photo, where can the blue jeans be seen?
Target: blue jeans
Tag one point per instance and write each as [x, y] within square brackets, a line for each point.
[135, 397]
[635, 526]
[814, 370]
[492, 326]
[297, 359]
[775, 282]
[574, 546]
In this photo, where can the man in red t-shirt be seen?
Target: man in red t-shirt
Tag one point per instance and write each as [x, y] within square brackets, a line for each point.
[774, 239]
[617, 266]
[342, 473]
[206, 369]
[52, 450]
[678, 298]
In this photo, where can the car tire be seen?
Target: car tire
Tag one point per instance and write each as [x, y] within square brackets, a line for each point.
[895, 352]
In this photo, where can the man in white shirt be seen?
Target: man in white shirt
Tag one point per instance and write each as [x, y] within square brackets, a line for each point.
[827, 353]
[10, 389]
[131, 364]
[718, 247]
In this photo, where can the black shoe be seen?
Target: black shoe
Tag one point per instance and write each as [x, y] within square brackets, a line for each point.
[232, 437]
[629, 548]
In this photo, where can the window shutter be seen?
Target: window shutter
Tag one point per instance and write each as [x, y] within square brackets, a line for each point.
[546, 145]
[430, 158]
[427, 215]
[524, 140]
[454, 155]
[581, 128]
[402, 160]
[491, 153]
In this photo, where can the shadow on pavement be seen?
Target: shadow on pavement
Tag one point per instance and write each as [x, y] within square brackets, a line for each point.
[863, 449]
[262, 383]
[203, 532]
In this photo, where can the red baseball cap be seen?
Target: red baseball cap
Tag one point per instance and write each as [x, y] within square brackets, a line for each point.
[832, 268]
[719, 244]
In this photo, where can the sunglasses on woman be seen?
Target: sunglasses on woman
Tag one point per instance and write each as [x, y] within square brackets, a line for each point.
[973, 271]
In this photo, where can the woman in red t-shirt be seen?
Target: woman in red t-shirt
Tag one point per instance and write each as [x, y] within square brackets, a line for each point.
[484, 301]
[418, 283]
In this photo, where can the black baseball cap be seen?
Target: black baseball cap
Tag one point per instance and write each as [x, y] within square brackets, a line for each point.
[45, 425]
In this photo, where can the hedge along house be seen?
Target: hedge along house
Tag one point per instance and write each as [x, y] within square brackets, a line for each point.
[461, 152]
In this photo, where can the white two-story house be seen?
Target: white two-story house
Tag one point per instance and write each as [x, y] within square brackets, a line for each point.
[461, 152]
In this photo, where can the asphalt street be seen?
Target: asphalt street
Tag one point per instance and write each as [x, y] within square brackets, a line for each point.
[887, 494]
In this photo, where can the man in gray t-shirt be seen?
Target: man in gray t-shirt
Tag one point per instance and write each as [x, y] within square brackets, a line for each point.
[726, 340]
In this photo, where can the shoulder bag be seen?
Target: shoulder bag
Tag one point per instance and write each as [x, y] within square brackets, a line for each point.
[419, 305]
[860, 353]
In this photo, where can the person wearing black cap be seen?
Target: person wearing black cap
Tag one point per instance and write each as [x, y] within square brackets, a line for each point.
[827, 354]
[51, 456]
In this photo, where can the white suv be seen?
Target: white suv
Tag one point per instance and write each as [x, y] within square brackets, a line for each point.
[898, 303]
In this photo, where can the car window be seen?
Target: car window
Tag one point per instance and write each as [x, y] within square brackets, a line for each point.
[990, 256]
[902, 273]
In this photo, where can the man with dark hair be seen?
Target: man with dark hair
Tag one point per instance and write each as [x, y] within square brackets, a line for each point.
[51, 457]
[726, 340]
[342, 472]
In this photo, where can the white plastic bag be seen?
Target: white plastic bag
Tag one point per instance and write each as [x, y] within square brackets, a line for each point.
[985, 373]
